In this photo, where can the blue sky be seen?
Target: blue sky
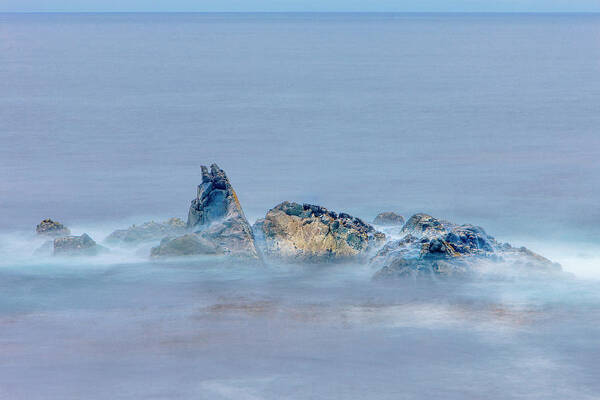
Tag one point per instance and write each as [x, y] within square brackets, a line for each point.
[304, 5]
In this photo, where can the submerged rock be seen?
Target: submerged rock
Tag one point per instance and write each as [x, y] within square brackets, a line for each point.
[45, 250]
[147, 232]
[389, 218]
[309, 233]
[49, 227]
[186, 245]
[216, 216]
[82, 245]
[433, 247]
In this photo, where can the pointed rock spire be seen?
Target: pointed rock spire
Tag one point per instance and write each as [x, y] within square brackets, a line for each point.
[216, 214]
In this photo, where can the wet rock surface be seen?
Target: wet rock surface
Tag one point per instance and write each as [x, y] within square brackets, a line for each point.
[147, 232]
[389, 219]
[186, 245]
[52, 228]
[309, 233]
[425, 225]
[216, 216]
[433, 247]
[82, 245]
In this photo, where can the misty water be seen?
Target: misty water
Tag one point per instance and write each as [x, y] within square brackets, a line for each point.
[486, 119]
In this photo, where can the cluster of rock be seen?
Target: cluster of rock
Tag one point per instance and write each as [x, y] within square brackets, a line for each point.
[64, 244]
[306, 233]
[432, 247]
[82, 245]
[309, 233]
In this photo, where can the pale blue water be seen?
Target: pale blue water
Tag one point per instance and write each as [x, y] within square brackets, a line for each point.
[490, 119]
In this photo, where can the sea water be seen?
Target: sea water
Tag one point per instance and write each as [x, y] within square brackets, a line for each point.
[105, 120]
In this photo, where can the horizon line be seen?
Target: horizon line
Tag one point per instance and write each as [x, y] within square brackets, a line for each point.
[301, 12]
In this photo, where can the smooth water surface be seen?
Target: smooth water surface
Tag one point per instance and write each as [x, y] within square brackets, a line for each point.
[489, 119]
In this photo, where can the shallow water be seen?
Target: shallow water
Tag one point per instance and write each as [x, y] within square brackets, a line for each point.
[200, 330]
[105, 120]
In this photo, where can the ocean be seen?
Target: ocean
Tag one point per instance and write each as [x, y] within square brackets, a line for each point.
[490, 119]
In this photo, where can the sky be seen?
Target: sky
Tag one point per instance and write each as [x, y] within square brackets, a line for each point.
[300, 5]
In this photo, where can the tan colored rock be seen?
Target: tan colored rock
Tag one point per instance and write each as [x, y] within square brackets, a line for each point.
[308, 233]
[49, 227]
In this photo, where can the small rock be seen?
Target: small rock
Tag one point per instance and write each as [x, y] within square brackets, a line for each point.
[82, 245]
[49, 227]
[186, 245]
[389, 218]
[424, 225]
[147, 232]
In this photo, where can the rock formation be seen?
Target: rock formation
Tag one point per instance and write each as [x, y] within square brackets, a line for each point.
[308, 233]
[147, 232]
[82, 245]
[434, 247]
[186, 245]
[425, 225]
[216, 216]
[389, 218]
[52, 228]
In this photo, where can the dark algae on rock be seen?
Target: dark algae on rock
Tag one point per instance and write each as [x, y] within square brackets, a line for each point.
[432, 247]
[49, 227]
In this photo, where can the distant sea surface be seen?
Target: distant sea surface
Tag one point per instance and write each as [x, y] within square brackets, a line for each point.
[487, 119]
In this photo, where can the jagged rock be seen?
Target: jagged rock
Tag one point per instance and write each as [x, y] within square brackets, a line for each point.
[404, 248]
[216, 216]
[443, 249]
[425, 225]
[52, 228]
[215, 201]
[148, 232]
[310, 233]
[186, 245]
[82, 245]
[389, 218]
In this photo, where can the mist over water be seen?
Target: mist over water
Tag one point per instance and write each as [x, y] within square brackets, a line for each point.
[105, 120]
[205, 329]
